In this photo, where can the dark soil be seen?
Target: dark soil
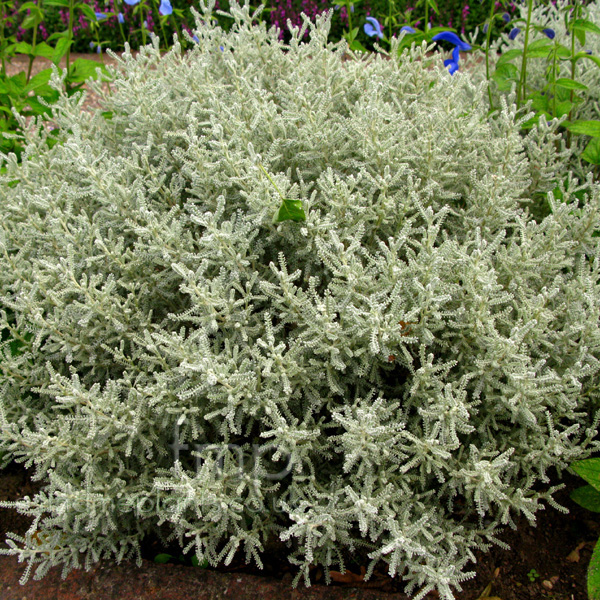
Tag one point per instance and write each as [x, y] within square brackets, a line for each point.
[558, 550]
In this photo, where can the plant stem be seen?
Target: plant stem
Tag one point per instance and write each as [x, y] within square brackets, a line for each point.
[121, 29]
[269, 178]
[348, 12]
[31, 57]
[176, 27]
[68, 58]
[523, 79]
[164, 35]
[487, 53]
[426, 16]
[142, 26]
[575, 12]
[554, 80]
[2, 19]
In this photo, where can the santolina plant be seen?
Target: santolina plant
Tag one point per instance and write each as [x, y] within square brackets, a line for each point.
[273, 293]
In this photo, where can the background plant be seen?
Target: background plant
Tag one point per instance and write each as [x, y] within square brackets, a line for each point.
[588, 496]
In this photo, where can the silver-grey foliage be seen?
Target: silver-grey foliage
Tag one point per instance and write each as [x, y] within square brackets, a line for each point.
[422, 349]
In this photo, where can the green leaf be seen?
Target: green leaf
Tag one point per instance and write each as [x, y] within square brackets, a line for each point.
[541, 52]
[42, 49]
[591, 128]
[587, 497]
[434, 5]
[82, 69]
[508, 56]
[591, 153]
[585, 25]
[61, 49]
[16, 83]
[562, 51]
[589, 469]
[161, 559]
[28, 6]
[290, 210]
[591, 57]
[107, 114]
[563, 108]
[505, 75]
[39, 80]
[23, 48]
[570, 84]
[435, 30]
[541, 43]
[539, 102]
[64, 3]
[580, 35]
[38, 108]
[357, 46]
[593, 582]
[88, 12]
[33, 20]
[197, 563]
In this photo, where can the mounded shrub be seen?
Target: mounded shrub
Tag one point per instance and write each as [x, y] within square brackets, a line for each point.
[399, 367]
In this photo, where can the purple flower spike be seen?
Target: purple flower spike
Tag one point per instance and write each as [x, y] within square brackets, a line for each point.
[408, 29]
[373, 28]
[549, 33]
[121, 18]
[506, 17]
[514, 33]
[165, 7]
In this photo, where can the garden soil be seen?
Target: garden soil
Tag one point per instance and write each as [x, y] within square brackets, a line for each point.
[544, 562]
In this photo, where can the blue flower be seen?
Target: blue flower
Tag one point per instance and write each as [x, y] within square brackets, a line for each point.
[92, 45]
[549, 33]
[98, 49]
[222, 49]
[100, 16]
[514, 33]
[448, 36]
[373, 28]
[506, 17]
[195, 38]
[452, 63]
[485, 28]
[131, 2]
[121, 18]
[408, 29]
[165, 7]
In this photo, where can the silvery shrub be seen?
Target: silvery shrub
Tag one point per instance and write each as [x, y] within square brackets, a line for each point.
[260, 258]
